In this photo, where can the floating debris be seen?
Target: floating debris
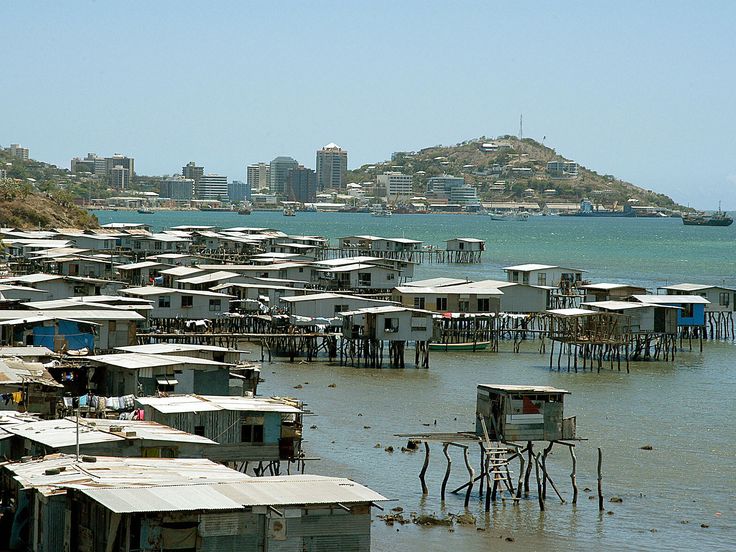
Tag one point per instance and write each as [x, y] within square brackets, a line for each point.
[647, 447]
[332, 385]
[432, 520]
[617, 499]
[389, 449]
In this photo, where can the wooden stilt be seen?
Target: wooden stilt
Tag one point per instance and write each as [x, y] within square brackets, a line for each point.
[471, 476]
[573, 476]
[422, 473]
[600, 480]
[539, 483]
[447, 472]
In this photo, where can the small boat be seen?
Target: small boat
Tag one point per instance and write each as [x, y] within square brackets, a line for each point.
[145, 211]
[245, 211]
[380, 212]
[512, 215]
[289, 212]
[719, 218]
[469, 346]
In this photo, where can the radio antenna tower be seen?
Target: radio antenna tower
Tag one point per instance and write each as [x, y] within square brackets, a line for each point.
[521, 126]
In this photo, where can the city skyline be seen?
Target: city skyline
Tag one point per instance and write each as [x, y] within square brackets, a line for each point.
[637, 91]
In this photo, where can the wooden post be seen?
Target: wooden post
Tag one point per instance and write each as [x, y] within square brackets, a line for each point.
[471, 476]
[544, 469]
[447, 472]
[539, 483]
[482, 469]
[519, 485]
[422, 473]
[600, 480]
[528, 474]
[573, 476]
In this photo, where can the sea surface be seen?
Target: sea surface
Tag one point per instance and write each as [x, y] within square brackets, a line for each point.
[681, 495]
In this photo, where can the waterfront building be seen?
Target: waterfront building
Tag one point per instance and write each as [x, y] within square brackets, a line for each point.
[278, 173]
[18, 152]
[543, 275]
[177, 188]
[451, 298]
[610, 292]
[258, 176]
[183, 304]
[464, 195]
[690, 311]
[396, 184]
[328, 305]
[522, 413]
[301, 185]
[639, 318]
[722, 299]
[238, 191]
[441, 186]
[92, 163]
[332, 164]
[245, 428]
[212, 186]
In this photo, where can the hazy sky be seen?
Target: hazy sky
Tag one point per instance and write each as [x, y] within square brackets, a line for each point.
[642, 90]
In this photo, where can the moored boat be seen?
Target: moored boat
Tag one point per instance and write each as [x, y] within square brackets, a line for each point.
[718, 218]
[468, 346]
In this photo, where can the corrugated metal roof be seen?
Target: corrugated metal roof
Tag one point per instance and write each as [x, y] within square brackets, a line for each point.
[695, 287]
[135, 361]
[62, 433]
[523, 388]
[262, 491]
[571, 312]
[86, 315]
[211, 403]
[164, 348]
[119, 471]
[672, 299]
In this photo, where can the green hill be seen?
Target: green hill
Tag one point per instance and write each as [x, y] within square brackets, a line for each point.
[501, 174]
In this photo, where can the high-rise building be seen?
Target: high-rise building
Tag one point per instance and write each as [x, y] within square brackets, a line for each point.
[257, 175]
[212, 186]
[177, 188]
[396, 184]
[332, 164]
[278, 172]
[238, 191]
[16, 150]
[118, 160]
[301, 185]
[120, 177]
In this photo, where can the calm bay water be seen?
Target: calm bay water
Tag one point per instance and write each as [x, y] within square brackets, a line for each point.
[685, 409]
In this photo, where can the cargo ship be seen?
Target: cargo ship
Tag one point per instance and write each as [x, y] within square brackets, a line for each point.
[719, 218]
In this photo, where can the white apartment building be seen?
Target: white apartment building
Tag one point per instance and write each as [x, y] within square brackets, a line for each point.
[396, 184]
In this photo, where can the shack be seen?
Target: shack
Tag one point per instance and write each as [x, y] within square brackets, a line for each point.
[274, 513]
[611, 292]
[523, 413]
[366, 329]
[171, 303]
[28, 387]
[36, 491]
[640, 318]
[721, 298]
[465, 250]
[691, 312]
[327, 305]
[247, 429]
[146, 374]
[544, 275]
[100, 436]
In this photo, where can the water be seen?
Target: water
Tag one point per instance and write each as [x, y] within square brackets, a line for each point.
[684, 409]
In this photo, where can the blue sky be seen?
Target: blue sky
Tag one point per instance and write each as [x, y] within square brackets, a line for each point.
[641, 90]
